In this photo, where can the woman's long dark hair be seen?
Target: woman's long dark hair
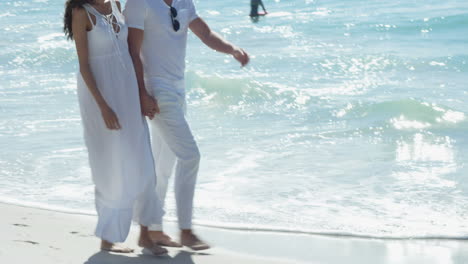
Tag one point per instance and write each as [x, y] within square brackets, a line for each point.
[67, 18]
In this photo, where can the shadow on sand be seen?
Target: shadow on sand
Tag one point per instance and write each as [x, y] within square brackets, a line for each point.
[103, 257]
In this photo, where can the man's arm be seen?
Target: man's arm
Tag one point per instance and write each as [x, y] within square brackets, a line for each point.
[216, 42]
[149, 106]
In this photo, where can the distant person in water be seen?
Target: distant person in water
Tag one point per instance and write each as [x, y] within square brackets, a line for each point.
[254, 8]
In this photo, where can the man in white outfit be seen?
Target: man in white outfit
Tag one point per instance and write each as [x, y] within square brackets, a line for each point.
[157, 41]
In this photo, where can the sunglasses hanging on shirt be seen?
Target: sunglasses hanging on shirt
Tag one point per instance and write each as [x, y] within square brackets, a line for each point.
[175, 22]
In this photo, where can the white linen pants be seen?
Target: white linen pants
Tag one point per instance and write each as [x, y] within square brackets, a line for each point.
[173, 144]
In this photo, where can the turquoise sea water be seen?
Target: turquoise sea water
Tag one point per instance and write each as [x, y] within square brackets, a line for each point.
[350, 119]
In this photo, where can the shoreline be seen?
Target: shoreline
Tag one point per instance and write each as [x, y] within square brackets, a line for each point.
[67, 237]
[42, 236]
[247, 228]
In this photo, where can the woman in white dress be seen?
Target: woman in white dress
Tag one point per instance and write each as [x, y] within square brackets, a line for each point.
[115, 131]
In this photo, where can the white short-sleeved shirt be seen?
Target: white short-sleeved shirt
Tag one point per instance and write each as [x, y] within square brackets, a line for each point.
[163, 49]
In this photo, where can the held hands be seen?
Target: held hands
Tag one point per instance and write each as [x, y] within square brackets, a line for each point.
[149, 106]
[110, 118]
[241, 56]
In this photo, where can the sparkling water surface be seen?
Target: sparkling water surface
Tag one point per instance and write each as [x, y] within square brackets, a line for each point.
[350, 119]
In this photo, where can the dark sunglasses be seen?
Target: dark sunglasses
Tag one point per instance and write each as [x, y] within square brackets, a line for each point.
[175, 22]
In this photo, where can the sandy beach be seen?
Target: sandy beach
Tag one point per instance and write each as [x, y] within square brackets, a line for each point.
[32, 235]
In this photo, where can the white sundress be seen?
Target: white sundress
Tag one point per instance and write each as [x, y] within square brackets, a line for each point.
[121, 161]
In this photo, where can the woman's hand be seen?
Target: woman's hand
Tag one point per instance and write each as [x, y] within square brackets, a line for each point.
[110, 118]
[149, 106]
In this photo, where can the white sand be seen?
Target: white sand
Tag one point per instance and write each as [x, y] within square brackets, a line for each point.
[30, 235]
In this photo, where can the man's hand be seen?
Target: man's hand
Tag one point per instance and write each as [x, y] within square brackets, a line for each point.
[241, 56]
[149, 106]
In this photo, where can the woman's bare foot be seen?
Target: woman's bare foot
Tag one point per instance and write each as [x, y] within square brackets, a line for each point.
[189, 239]
[111, 247]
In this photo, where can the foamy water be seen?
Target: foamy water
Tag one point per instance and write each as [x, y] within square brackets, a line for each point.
[350, 119]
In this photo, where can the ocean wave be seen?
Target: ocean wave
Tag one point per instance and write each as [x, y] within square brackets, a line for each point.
[410, 108]
[408, 115]
[247, 96]
[443, 23]
[228, 90]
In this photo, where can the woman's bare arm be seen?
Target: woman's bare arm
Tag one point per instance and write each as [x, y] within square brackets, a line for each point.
[80, 24]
